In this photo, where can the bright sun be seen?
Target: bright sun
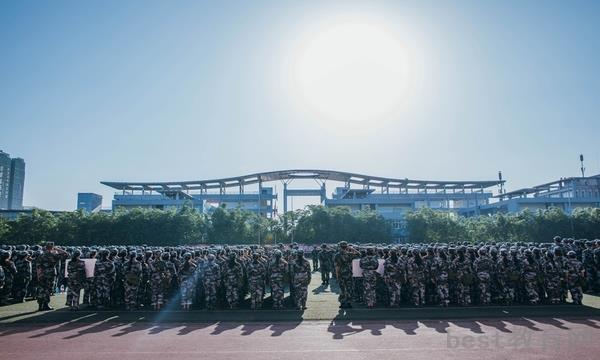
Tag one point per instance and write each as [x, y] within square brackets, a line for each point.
[352, 71]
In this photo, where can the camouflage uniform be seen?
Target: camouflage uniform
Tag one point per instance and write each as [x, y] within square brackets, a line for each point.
[484, 268]
[392, 275]
[211, 281]
[464, 280]
[596, 285]
[118, 287]
[278, 269]
[89, 291]
[508, 276]
[104, 277]
[188, 282]
[75, 280]
[10, 271]
[529, 272]
[301, 274]
[415, 271]
[325, 265]
[343, 265]
[553, 278]
[233, 275]
[369, 265]
[575, 277]
[132, 279]
[160, 282]
[144, 291]
[439, 272]
[46, 271]
[315, 258]
[562, 263]
[22, 277]
[2, 278]
[587, 259]
[256, 277]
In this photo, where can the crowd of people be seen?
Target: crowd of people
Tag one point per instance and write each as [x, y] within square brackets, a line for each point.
[230, 277]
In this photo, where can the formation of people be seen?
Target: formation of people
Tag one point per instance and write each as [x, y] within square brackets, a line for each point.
[230, 277]
[469, 274]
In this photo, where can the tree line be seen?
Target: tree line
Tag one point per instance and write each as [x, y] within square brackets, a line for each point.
[154, 227]
[312, 225]
[428, 226]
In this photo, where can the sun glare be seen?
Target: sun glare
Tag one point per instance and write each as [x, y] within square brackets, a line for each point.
[352, 71]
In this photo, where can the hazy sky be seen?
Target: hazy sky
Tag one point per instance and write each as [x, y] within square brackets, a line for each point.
[177, 90]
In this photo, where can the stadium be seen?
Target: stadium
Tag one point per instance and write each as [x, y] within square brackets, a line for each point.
[391, 197]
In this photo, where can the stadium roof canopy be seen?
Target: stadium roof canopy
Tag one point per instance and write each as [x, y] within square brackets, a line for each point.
[546, 188]
[289, 175]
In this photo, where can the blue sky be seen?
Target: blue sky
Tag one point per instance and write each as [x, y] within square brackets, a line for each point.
[156, 90]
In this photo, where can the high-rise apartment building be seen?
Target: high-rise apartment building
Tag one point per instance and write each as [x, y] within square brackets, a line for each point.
[12, 182]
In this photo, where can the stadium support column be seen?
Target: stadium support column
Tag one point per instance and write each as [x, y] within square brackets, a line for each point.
[284, 197]
[259, 202]
[323, 193]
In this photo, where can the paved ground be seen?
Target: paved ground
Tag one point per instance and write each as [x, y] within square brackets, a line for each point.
[490, 339]
[531, 332]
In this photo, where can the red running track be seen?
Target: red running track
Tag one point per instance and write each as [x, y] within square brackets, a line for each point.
[486, 339]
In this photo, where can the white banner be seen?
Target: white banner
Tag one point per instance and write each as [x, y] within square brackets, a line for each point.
[358, 272]
[89, 267]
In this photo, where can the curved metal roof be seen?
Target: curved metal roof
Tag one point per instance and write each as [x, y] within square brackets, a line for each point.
[288, 175]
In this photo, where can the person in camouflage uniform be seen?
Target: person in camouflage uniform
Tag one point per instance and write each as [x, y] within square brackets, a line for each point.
[278, 269]
[508, 277]
[587, 259]
[160, 281]
[562, 262]
[439, 273]
[343, 269]
[325, 264]
[75, 279]
[484, 268]
[575, 277]
[464, 277]
[369, 265]
[118, 287]
[132, 278]
[301, 274]
[211, 279]
[46, 273]
[2, 278]
[23, 276]
[89, 291]
[415, 272]
[553, 275]
[104, 278]
[392, 274]
[315, 257]
[33, 284]
[540, 278]
[10, 272]
[188, 282]
[233, 276]
[529, 276]
[145, 291]
[256, 276]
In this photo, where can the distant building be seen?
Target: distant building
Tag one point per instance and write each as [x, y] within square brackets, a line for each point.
[89, 202]
[392, 198]
[567, 194]
[17, 184]
[12, 182]
[4, 179]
